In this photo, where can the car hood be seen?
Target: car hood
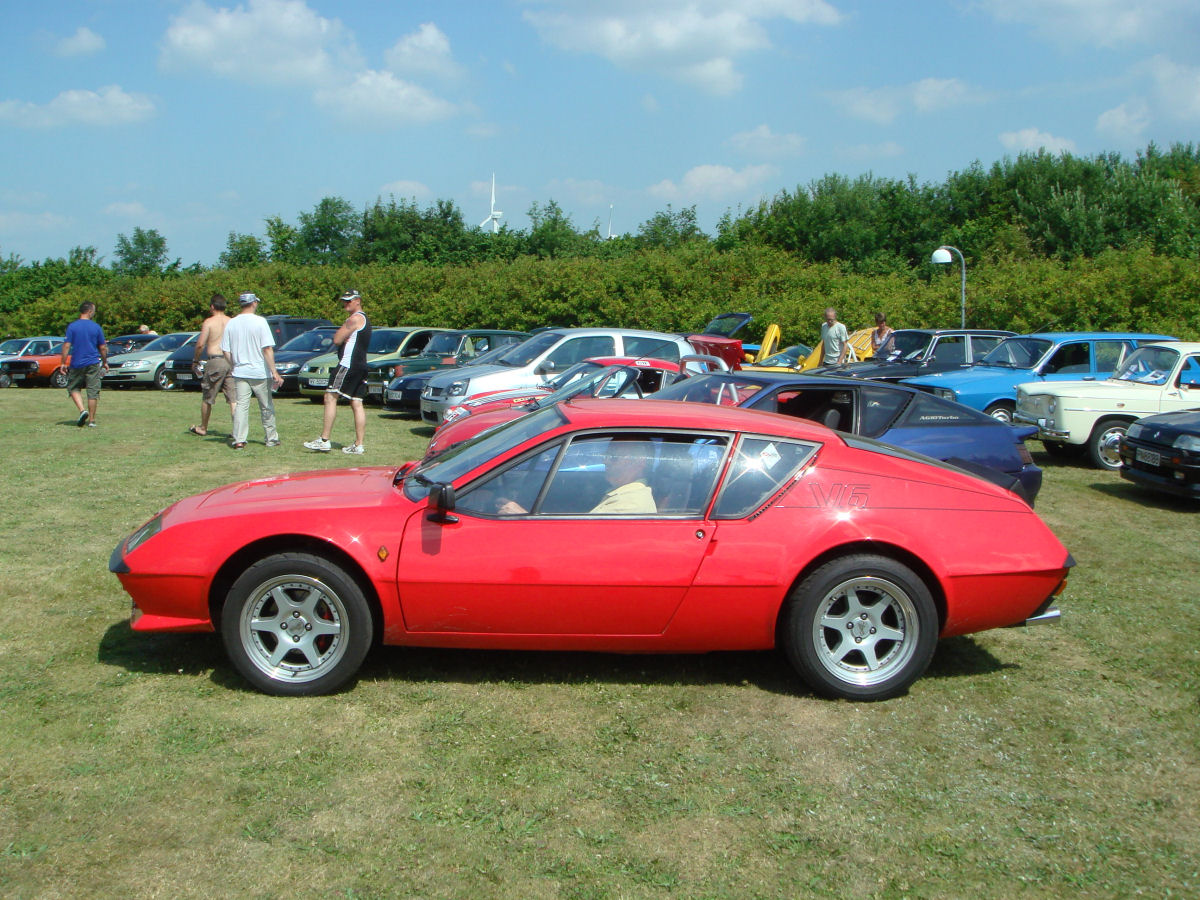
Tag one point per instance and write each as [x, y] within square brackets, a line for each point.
[1092, 390]
[324, 490]
[472, 372]
[153, 355]
[1174, 423]
[973, 375]
[294, 355]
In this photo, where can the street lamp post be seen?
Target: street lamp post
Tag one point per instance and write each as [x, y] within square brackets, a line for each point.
[941, 256]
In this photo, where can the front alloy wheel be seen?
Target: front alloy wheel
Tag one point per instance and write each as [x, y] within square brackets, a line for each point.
[162, 380]
[58, 379]
[296, 624]
[861, 628]
[1104, 446]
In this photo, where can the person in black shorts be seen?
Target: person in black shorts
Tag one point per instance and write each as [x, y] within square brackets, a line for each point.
[349, 378]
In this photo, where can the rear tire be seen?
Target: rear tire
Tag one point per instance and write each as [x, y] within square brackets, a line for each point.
[1104, 445]
[1002, 411]
[861, 627]
[5, 380]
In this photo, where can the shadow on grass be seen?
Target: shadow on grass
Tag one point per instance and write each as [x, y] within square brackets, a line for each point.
[769, 671]
[1127, 491]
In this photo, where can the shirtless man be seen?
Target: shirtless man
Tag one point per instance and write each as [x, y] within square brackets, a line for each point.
[215, 378]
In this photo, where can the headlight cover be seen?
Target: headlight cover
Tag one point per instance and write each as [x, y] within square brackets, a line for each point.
[1134, 430]
[143, 534]
[457, 389]
[1189, 442]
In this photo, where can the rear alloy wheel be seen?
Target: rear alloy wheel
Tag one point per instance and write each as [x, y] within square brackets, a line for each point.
[1001, 412]
[1104, 446]
[58, 379]
[163, 382]
[5, 380]
[862, 627]
[295, 624]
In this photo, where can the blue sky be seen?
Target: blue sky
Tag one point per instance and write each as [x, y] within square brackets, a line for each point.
[197, 118]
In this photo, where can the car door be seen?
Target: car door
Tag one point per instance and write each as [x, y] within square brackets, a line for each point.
[526, 553]
[1184, 391]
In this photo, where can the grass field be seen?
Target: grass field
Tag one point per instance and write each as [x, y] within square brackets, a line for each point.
[1056, 761]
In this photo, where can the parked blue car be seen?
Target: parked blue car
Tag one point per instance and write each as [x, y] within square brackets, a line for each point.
[990, 385]
[893, 414]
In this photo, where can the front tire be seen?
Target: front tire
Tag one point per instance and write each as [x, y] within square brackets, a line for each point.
[5, 380]
[58, 379]
[295, 624]
[1001, 412]
[1104, 445]
[861, 627]
[162, 381]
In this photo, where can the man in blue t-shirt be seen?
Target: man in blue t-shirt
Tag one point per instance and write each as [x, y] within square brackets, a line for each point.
[87, 355]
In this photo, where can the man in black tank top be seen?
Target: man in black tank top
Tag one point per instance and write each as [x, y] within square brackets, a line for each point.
[349, 379]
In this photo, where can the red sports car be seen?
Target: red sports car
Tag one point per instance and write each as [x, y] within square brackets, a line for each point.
[604, 525]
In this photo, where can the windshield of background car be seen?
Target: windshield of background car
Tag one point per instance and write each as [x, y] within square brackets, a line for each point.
[444, 343]
[386, 341]
[644, 345]
[1017, 353]
[721, 389]
[313, 341]
[168, 342]
[727, 324]
[907, 345]
[459, 459]
[760, 467]
[573, 374]
[788, 357]
[527, 351]
[592, 381]
[12, 347]
[1148, 365]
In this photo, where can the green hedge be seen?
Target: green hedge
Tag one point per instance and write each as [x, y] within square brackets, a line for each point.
[669, 290]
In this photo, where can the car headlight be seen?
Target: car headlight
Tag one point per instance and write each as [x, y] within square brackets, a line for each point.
[457, 389]
[427, 393]
[944, 393]
[1134, 430]
[136, 364]
[1188, 442]
[287, 368]
[143, 534]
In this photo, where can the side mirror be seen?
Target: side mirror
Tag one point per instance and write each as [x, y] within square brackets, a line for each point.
[545, 368]
[441, 504]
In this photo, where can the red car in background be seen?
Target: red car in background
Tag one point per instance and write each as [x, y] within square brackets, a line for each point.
[740, 530]
[31, 361]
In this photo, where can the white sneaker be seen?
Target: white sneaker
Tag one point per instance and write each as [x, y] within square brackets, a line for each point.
[356, 449]
[320, 445]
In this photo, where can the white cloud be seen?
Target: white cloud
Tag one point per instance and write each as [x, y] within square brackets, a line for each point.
[1126, 122]
[382, 99]
[710, 182]
[277, 42]
[1103, 23]
[693, 41]
[424, 52]
[82, 43]
[406, 189]
[763, 143]
[22, 222]
[883, 105]
[1176, 87]
[1032, 139]
[129, 210]
[108, 106]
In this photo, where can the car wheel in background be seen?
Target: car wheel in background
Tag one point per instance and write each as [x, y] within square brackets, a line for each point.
[1001, 411]
[58, 379]
[5, 380]
[861, 627]
[161, 379]
[295, 624]
[1104, 446]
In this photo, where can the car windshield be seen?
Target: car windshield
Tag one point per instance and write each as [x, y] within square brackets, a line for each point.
[14, 346]
[386, 341]
[904, 345]
[168, 342]
[527, 351]
[598, 383]
[727, 324]
[444, 343]
[573, 374]
[318, 339]
[458, 460]
[1148, 365]
[723, 389]
[788, 357]
[1017, 353]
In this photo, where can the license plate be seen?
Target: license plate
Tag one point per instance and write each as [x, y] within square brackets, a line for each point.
[1149, 457]
[182, 376]
[318, 382]
[395, 395]
[18, 377]
[374, 389]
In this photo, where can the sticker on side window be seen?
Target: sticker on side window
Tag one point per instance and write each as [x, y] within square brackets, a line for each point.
[769, 456]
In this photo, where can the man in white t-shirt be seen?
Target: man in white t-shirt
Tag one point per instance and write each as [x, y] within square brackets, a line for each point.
[250, 348]
[835, 341]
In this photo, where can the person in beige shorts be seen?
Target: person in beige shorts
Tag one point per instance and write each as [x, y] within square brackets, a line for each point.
[215, 378]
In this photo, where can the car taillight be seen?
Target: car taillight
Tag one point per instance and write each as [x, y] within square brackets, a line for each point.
[1026, 457]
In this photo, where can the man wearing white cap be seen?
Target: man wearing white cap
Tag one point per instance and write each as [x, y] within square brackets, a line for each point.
[250, 348]
[349, 381]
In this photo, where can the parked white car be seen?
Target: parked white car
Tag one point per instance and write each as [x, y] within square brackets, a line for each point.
[1091, 416]
[534, 361]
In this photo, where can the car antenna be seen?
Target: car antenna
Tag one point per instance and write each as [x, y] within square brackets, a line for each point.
[1045, 327]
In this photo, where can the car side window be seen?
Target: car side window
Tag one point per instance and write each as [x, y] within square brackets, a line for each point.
[980, 345]
[416, 343]
[578, 349]
[518, 484]
[825, 406]
[880, 407]
[950, 350]
[657, 348]
[1069, 359]
[927, 409]
[760, 467]
[1189, 376]
[1110, 354]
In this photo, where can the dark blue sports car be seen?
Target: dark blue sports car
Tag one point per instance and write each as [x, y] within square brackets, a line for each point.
[1162, 453]
[890, 413]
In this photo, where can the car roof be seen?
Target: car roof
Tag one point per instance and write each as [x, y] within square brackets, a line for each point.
[647, 362]
[983, 332]
[668, 414]
[1181, 346]
[621, 331]
[1096, 335]
[803, 380]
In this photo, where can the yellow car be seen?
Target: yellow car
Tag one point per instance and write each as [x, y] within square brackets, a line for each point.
[800, 358]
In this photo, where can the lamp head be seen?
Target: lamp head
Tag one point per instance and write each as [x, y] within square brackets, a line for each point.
[941, 256]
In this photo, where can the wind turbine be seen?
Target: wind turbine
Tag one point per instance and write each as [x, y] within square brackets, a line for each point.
[610, 212]
[495, 214]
